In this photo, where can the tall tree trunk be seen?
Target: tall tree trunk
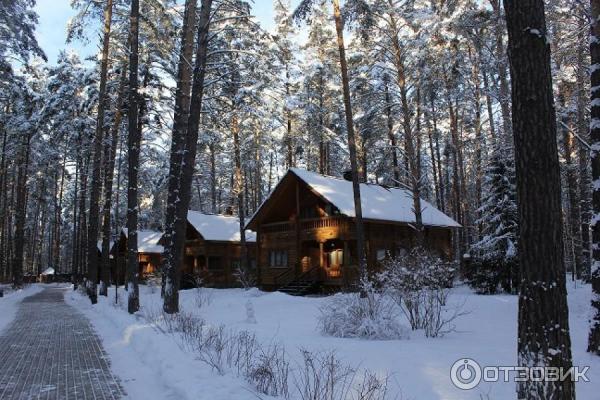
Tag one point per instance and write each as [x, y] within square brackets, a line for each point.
[92, 239]
[572, 189]
[360, 237]
[10, 248]
[58, 218]
[390, 131]
[323, 153]
[213, 177]
[171, 298]
[117, 224]
[456, 194]
[133, 145]
[20, 210]
[288, 116]
[594, 338]
[75, 241]
[434, 162]
[479, 140]
[489, 104]
[3, 205]
[258, 168]
[583, 129]
[238, 184]
[438, 157]
[543, 311]
[110, 153]
[504, 99]
[85, 187]
[182, 108]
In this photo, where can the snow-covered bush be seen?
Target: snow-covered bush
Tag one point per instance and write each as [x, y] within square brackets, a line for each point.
[269, 371]
[245, 277]
[322, 376]
[374, 316]
[202, 296]
[266, 367]
[418, 282]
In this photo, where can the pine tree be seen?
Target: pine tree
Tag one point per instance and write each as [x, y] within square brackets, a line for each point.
[495, 258]
[133, 147]
[169, 266]
[171, 298]
[543, 311]
[594, 337]
[17, 35]
[96, 183]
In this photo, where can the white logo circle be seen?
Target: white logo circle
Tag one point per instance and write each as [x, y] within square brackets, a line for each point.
[465, 374]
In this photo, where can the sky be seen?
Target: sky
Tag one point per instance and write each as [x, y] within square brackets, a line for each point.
[54, 14]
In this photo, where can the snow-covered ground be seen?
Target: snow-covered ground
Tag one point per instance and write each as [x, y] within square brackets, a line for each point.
[10, 303]
[153, 365]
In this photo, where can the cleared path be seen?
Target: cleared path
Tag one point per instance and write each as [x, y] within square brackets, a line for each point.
[50, 351]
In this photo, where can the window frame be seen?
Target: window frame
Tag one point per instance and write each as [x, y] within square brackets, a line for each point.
[278, 258]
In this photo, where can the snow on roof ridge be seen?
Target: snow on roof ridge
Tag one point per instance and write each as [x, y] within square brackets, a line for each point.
[397, 207]
[341, 178]
[147, 240]
[218, 227]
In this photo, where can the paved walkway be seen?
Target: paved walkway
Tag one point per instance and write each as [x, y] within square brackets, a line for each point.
[50, 351]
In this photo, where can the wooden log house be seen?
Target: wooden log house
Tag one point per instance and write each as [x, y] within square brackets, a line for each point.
[213, 250]
[306, 230]
[149, 253]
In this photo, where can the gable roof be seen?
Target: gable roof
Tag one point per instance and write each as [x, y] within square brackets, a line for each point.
[147, 241]
[216, 227]
[378, 202]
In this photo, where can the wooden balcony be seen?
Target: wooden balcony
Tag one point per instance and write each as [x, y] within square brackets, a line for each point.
[277, 227]
[306, 224]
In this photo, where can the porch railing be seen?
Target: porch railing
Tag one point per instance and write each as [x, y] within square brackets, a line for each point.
[278, 227]
[305, 224]
[315, 223]
[284, 278]
[289, 275]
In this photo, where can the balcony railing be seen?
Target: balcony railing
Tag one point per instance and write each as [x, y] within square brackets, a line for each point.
[278, 227]
[305, 224]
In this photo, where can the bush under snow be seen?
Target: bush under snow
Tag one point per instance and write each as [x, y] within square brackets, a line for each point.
[352, 316]
[418, 282]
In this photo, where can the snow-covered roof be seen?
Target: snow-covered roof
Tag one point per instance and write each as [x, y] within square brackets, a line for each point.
[221, 228]
[378, 202]
[147, 241]
[48, 271]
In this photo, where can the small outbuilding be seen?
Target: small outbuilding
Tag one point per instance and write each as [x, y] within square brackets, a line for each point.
[213, 250]
[149, 252]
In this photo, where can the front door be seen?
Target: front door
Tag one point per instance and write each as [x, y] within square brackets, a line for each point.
[335, 260]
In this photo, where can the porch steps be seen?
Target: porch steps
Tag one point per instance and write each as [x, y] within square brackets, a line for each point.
[300, 288]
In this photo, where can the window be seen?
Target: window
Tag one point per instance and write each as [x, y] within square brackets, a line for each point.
[235, 264]
[214, 263]
[309, 212]
[278, 259]
[381, 254]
